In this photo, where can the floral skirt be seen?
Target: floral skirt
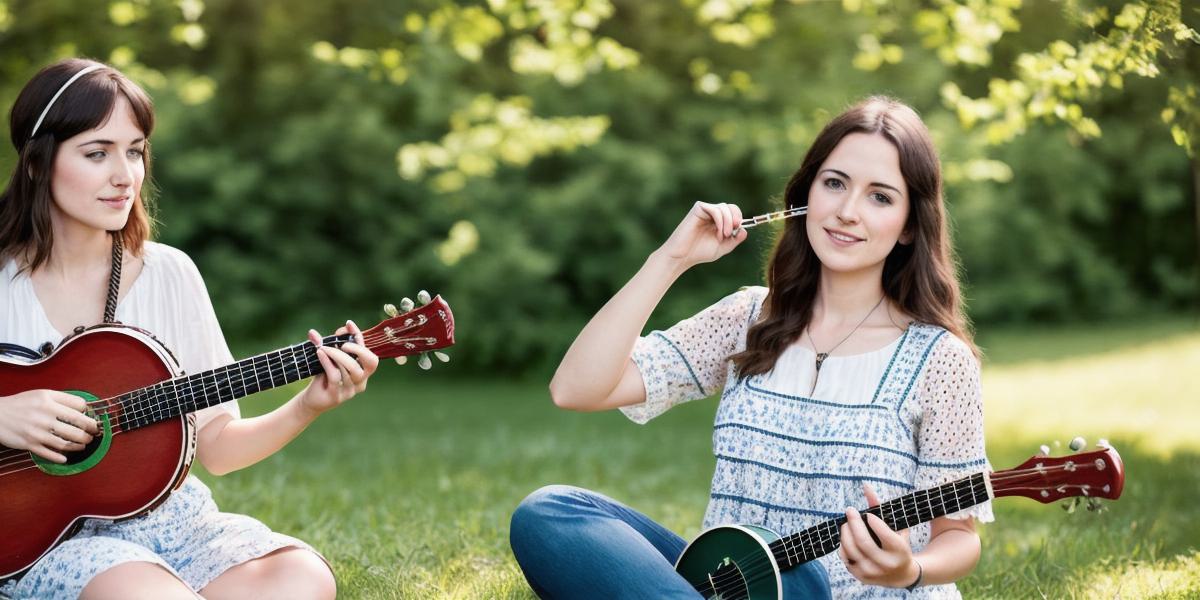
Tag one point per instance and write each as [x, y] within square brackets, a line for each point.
[186, 535]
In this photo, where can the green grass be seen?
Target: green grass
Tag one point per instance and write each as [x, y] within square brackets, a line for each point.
[408, 488]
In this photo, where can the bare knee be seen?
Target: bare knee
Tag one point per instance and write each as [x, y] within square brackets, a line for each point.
[135, 581]
[291, 573]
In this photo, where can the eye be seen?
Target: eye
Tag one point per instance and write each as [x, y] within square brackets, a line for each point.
[97, 155]
[834, 183]
[136, 153]
[881, 198]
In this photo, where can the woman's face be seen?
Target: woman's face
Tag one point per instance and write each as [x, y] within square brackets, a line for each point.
[98, 173]
[858, 204]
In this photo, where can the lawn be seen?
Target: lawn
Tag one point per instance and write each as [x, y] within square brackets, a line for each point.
[408, 489]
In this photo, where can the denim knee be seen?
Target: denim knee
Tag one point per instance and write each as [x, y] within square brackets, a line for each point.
[531, 520]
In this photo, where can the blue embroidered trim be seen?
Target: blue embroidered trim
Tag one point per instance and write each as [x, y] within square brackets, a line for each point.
[802, 475]
[979, 462]
[687, 364]
[916, 374]
[888, 370]
[767, 392]
[816, 442]
[769, 506]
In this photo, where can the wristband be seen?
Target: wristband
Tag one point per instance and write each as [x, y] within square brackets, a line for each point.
[920, 575]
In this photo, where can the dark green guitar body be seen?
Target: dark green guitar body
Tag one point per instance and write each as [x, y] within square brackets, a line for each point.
[732, 562]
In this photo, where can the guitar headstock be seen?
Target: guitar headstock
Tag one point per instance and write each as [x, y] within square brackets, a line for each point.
[422, 330]
[1091, 475]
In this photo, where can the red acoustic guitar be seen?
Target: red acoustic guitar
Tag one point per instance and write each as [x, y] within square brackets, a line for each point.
[141, 400]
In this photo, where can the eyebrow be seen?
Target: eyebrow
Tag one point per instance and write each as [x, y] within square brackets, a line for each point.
[874, 183]
[110, 142]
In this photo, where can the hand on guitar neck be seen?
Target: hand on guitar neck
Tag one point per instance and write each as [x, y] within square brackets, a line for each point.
[876, 554]
[346, 370]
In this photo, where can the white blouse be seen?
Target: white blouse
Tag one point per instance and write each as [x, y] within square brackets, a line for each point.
[168, 299]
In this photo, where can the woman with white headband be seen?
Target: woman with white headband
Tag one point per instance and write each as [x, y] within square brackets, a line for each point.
[73, 225]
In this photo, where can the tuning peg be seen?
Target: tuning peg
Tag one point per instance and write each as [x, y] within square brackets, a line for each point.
[1103, 443]
[1078, 443]
[424, 362]
[1045, 450]
[406, 305]
[423, 297]
[442, 356]
[390, 310]
[1095, 505]
[1071, 505]
[401, 360]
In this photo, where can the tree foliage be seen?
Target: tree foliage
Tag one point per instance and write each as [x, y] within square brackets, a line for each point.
[523, 157]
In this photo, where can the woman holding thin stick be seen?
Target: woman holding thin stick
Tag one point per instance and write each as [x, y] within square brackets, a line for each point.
[851, 377]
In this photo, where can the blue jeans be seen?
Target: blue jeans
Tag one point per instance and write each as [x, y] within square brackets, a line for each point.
[576, 544]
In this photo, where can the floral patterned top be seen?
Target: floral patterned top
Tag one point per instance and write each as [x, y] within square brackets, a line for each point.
[905, 417]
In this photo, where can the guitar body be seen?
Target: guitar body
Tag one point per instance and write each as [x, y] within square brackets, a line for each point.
[733, 562]
[132, 472]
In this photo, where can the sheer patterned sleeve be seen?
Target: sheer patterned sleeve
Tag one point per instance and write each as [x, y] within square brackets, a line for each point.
[950, 442]
[689, 361]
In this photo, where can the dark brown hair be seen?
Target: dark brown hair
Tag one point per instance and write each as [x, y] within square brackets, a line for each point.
[920, 277]
[86, 104]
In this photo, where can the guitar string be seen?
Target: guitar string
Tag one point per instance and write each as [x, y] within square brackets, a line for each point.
[131, 414]
[753, 567]
[759, 565]
[106, 406]
[754, 564]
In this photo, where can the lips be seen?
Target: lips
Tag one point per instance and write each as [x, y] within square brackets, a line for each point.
[115, 201]
[842, 238]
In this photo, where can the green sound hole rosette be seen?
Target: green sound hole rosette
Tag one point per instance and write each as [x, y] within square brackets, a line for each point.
[90, 456]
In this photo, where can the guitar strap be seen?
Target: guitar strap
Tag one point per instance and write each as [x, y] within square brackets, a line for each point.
[114, 280]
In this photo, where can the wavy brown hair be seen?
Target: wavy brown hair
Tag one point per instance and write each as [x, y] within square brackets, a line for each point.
[920, 277]
[25, 203]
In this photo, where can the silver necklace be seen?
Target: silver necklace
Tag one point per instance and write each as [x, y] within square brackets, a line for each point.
[821, 356]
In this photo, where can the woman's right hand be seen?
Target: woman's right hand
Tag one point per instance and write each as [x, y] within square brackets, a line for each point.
[708, 232]
[46, 423]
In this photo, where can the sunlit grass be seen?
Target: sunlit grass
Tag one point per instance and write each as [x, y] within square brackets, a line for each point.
[408, 489]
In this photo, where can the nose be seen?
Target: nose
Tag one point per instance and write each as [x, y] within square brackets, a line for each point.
[848, 211]
[122, 174]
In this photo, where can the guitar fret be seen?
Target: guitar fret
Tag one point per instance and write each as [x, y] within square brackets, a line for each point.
[174, 397]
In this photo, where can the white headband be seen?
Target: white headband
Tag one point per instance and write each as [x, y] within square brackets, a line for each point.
[81, 73]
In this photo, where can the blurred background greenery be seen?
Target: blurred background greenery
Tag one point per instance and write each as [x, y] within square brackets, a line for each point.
[318, 159]
[522, 158]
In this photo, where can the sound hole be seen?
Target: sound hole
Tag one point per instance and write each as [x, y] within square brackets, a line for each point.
[74, 458]
[82, 460]
[730, 583]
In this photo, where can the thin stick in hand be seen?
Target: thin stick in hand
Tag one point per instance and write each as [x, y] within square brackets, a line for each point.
[775, 216]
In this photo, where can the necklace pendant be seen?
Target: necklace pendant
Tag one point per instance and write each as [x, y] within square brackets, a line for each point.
[821, 356]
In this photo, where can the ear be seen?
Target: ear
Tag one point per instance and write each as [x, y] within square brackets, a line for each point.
[906, 237]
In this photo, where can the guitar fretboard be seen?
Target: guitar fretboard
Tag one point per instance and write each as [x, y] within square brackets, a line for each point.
[189, 393]
[899, 513]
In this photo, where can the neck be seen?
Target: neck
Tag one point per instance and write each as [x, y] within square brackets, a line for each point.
[899, 513]
[77, 249]
[847, 297]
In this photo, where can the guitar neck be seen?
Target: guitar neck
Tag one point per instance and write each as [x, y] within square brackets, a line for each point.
[175, 397]
[899, 513]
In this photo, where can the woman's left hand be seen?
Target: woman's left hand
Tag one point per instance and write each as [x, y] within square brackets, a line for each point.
[889, 563]
[344, 376]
